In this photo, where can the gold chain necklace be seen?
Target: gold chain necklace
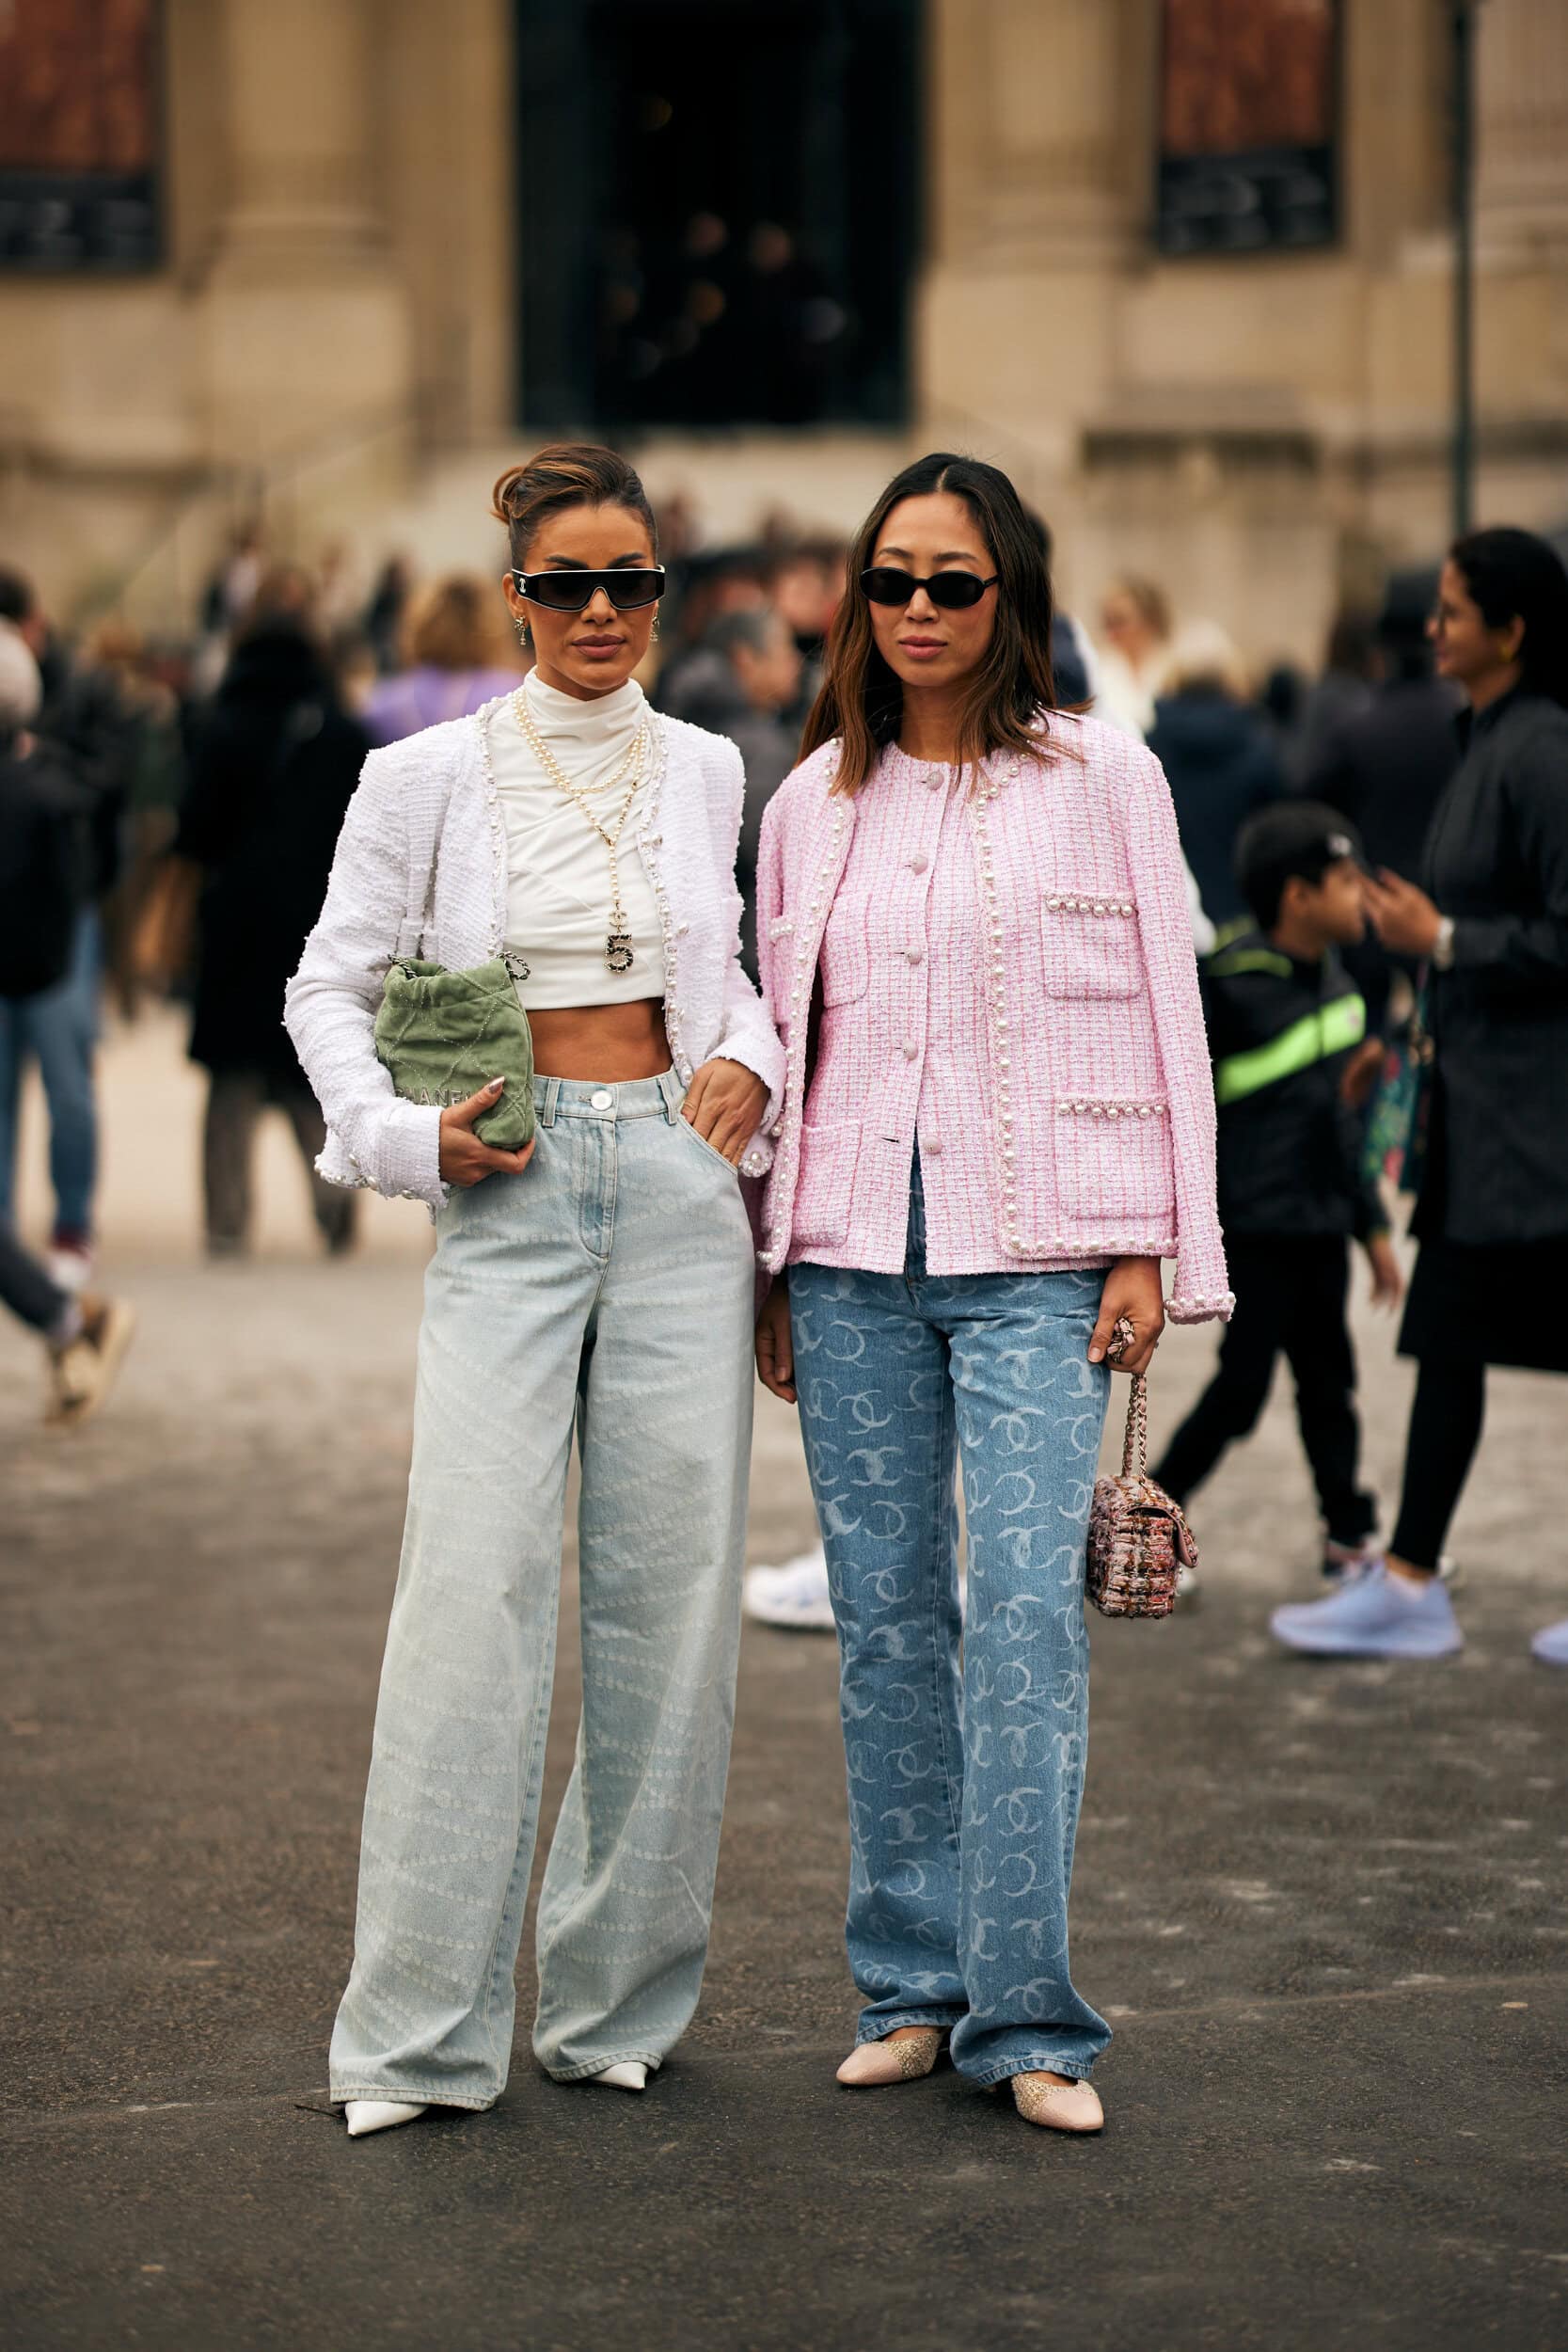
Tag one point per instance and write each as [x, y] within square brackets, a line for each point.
[618, 953]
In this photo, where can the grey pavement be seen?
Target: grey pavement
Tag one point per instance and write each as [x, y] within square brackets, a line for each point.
[1322, 1905]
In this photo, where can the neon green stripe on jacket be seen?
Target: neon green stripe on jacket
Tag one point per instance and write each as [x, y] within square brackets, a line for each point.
[1314, 1038]
[1226, 964]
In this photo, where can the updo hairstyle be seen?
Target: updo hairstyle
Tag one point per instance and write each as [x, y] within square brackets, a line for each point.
[566, 474]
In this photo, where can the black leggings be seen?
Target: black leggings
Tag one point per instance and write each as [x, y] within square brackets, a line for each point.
[1444, 1430]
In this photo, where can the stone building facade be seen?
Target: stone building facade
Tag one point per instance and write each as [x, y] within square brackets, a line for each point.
[1262, 433]
[333, 336]
[335, 304]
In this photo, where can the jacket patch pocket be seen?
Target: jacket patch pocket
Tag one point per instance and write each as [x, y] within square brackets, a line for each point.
[1114, 1165]
[1091, 944]
[824, 1190]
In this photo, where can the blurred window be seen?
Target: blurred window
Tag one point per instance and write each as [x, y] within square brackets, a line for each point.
[79, 135]
[1248, 125]
[719, 210]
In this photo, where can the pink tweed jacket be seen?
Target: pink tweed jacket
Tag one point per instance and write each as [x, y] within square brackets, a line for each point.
[1006, 975]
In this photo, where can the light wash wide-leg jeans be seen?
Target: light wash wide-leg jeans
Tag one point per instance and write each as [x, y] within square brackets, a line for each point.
[610, 1286]
[964, 1787]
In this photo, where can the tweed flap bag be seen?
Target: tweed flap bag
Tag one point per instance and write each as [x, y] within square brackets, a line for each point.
[444, 1035]
[1138, 1538]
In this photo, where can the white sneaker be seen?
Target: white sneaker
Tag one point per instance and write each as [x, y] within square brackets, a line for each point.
[1374, 1615]
[1551, 1644]
[1343, 1563]
[795, 1596]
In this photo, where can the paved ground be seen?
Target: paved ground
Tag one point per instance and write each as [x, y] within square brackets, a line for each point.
[1324, 1908]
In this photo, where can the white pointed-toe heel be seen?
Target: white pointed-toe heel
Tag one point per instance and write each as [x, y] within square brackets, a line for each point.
[377, 2115]
[629, 2075]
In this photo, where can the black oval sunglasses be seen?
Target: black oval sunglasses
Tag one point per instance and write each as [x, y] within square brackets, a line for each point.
[570, 592]
[950, 591]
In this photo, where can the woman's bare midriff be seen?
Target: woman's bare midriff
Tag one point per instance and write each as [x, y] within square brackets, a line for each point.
[608, 1043]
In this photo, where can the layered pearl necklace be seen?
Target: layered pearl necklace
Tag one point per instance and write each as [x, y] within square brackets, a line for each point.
[618, 952]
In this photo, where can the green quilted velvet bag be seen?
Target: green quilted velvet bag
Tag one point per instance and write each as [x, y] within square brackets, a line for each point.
[443, 1035]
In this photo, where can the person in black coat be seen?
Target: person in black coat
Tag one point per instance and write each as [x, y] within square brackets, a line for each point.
[1221, 764]
[84, 723]
[1385, 764]
[1343, 689]
[40, 881]
[745, 679]
[1490, 915]
[275, 764]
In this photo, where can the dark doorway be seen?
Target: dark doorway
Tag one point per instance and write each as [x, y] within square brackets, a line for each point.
[719, 210]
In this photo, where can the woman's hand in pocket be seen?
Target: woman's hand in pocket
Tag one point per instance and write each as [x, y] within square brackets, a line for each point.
[466, 1160]
[775, 1344]
[724, 1104]
[1133, 1289]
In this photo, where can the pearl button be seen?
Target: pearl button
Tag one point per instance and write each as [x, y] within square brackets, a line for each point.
[919, 862]
[602, 1100]
[936, 783]
[915, 955]
[910, 1049]
[931, 1150]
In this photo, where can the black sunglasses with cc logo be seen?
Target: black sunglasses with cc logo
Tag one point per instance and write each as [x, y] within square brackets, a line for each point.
[950, 591]
[571, 592]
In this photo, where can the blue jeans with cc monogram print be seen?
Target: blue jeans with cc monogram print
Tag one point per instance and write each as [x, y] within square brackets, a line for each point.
[964, 1782]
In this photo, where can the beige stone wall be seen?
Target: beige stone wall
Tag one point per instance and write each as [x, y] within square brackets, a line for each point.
[1259, 433]
[337, 296]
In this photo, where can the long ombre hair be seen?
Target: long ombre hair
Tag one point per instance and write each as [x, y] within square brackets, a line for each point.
[861, 701]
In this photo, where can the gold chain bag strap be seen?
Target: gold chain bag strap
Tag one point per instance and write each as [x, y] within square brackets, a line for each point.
[1138, 1537]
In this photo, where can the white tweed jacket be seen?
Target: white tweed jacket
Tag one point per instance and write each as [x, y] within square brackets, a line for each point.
[421, 869]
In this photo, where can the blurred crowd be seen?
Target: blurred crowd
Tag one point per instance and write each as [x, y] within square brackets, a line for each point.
[195, 786]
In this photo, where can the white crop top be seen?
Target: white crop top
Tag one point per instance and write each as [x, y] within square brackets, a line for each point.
[559, 895]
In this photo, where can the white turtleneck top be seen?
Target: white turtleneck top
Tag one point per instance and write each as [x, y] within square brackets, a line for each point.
[558, 891]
